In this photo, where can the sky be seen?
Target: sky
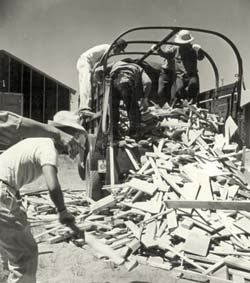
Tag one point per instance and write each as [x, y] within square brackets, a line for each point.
[51, 34]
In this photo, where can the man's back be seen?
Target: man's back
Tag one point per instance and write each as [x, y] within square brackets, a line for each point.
[94, 54]
[22, 163]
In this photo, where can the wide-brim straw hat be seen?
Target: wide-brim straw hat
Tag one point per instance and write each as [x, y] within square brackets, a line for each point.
[183, 37]
[66, 118]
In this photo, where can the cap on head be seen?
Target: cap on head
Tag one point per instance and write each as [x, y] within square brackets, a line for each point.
[183, 37]
[120, 44]
[66, 119]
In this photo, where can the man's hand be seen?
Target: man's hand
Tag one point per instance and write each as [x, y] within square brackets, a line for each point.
[80, 233]
[86, 113]
[66, 217]
[196, 47]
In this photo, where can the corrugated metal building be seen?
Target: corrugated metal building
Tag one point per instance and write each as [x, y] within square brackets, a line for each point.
[30, 92]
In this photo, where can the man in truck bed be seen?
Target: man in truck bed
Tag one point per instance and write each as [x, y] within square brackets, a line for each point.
[132, 85]
[182, 62]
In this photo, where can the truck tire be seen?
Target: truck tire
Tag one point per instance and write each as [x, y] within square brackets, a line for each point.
[93, 182]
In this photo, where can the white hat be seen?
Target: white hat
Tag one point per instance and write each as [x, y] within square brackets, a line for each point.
[66, 119]
[183, 36]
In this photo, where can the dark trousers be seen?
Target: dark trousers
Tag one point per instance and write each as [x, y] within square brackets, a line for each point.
[165, 82]
[132, 109]
[186, 87]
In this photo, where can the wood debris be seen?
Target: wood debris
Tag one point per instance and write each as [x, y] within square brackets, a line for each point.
[184, 205]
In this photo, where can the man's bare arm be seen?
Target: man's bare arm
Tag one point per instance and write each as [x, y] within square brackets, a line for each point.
[55, 192]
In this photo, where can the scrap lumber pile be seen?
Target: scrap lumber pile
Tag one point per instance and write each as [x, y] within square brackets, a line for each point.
[184, 207]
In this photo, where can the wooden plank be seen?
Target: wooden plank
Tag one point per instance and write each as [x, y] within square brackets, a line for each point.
[238, 279]
[164, 164]
[174, 186]
[202, 225]
[205, 189]
[230, 129]
[215, 266]
[181, 232]
[148, 237]
[120, 243]
[238, 262]
[203, 204]
[132, 159]
[153, 207]
[205, 259]
[221, 273]
[197, 243]
[200, 277]
[134, 245]
[243, 224]
[165, 246]
[144, 167]
[190, 190]
[172, 220]
[103, 203]
[160, 145]
[157, 261]
[173, 123]
[193, 136]
[134, 229]
[162, 228]
[239, 273]
[229, 225]
[162, 186]
[144, 186]
[131, 263]
[232, 191]
[219, 141]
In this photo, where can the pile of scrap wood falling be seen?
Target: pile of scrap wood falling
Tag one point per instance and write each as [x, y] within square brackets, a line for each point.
[184, 207]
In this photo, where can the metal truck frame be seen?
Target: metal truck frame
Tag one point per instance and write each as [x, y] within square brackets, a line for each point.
[102, 160]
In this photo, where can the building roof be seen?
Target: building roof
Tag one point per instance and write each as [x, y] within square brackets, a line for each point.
[73, 91]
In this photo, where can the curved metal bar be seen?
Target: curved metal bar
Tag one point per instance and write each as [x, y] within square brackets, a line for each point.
[175, 29]
[215, 69]
[209, 58]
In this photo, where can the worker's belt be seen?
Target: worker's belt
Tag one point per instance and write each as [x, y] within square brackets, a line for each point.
[11, 189]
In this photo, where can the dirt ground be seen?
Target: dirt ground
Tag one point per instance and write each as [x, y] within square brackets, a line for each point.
[66, 263]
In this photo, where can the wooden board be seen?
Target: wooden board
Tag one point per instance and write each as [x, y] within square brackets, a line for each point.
[197, 243]
[224, 205]
[144, 186]
[243, 224]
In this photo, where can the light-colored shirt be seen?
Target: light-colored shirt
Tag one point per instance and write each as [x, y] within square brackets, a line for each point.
[22, 163]
[94, 54]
